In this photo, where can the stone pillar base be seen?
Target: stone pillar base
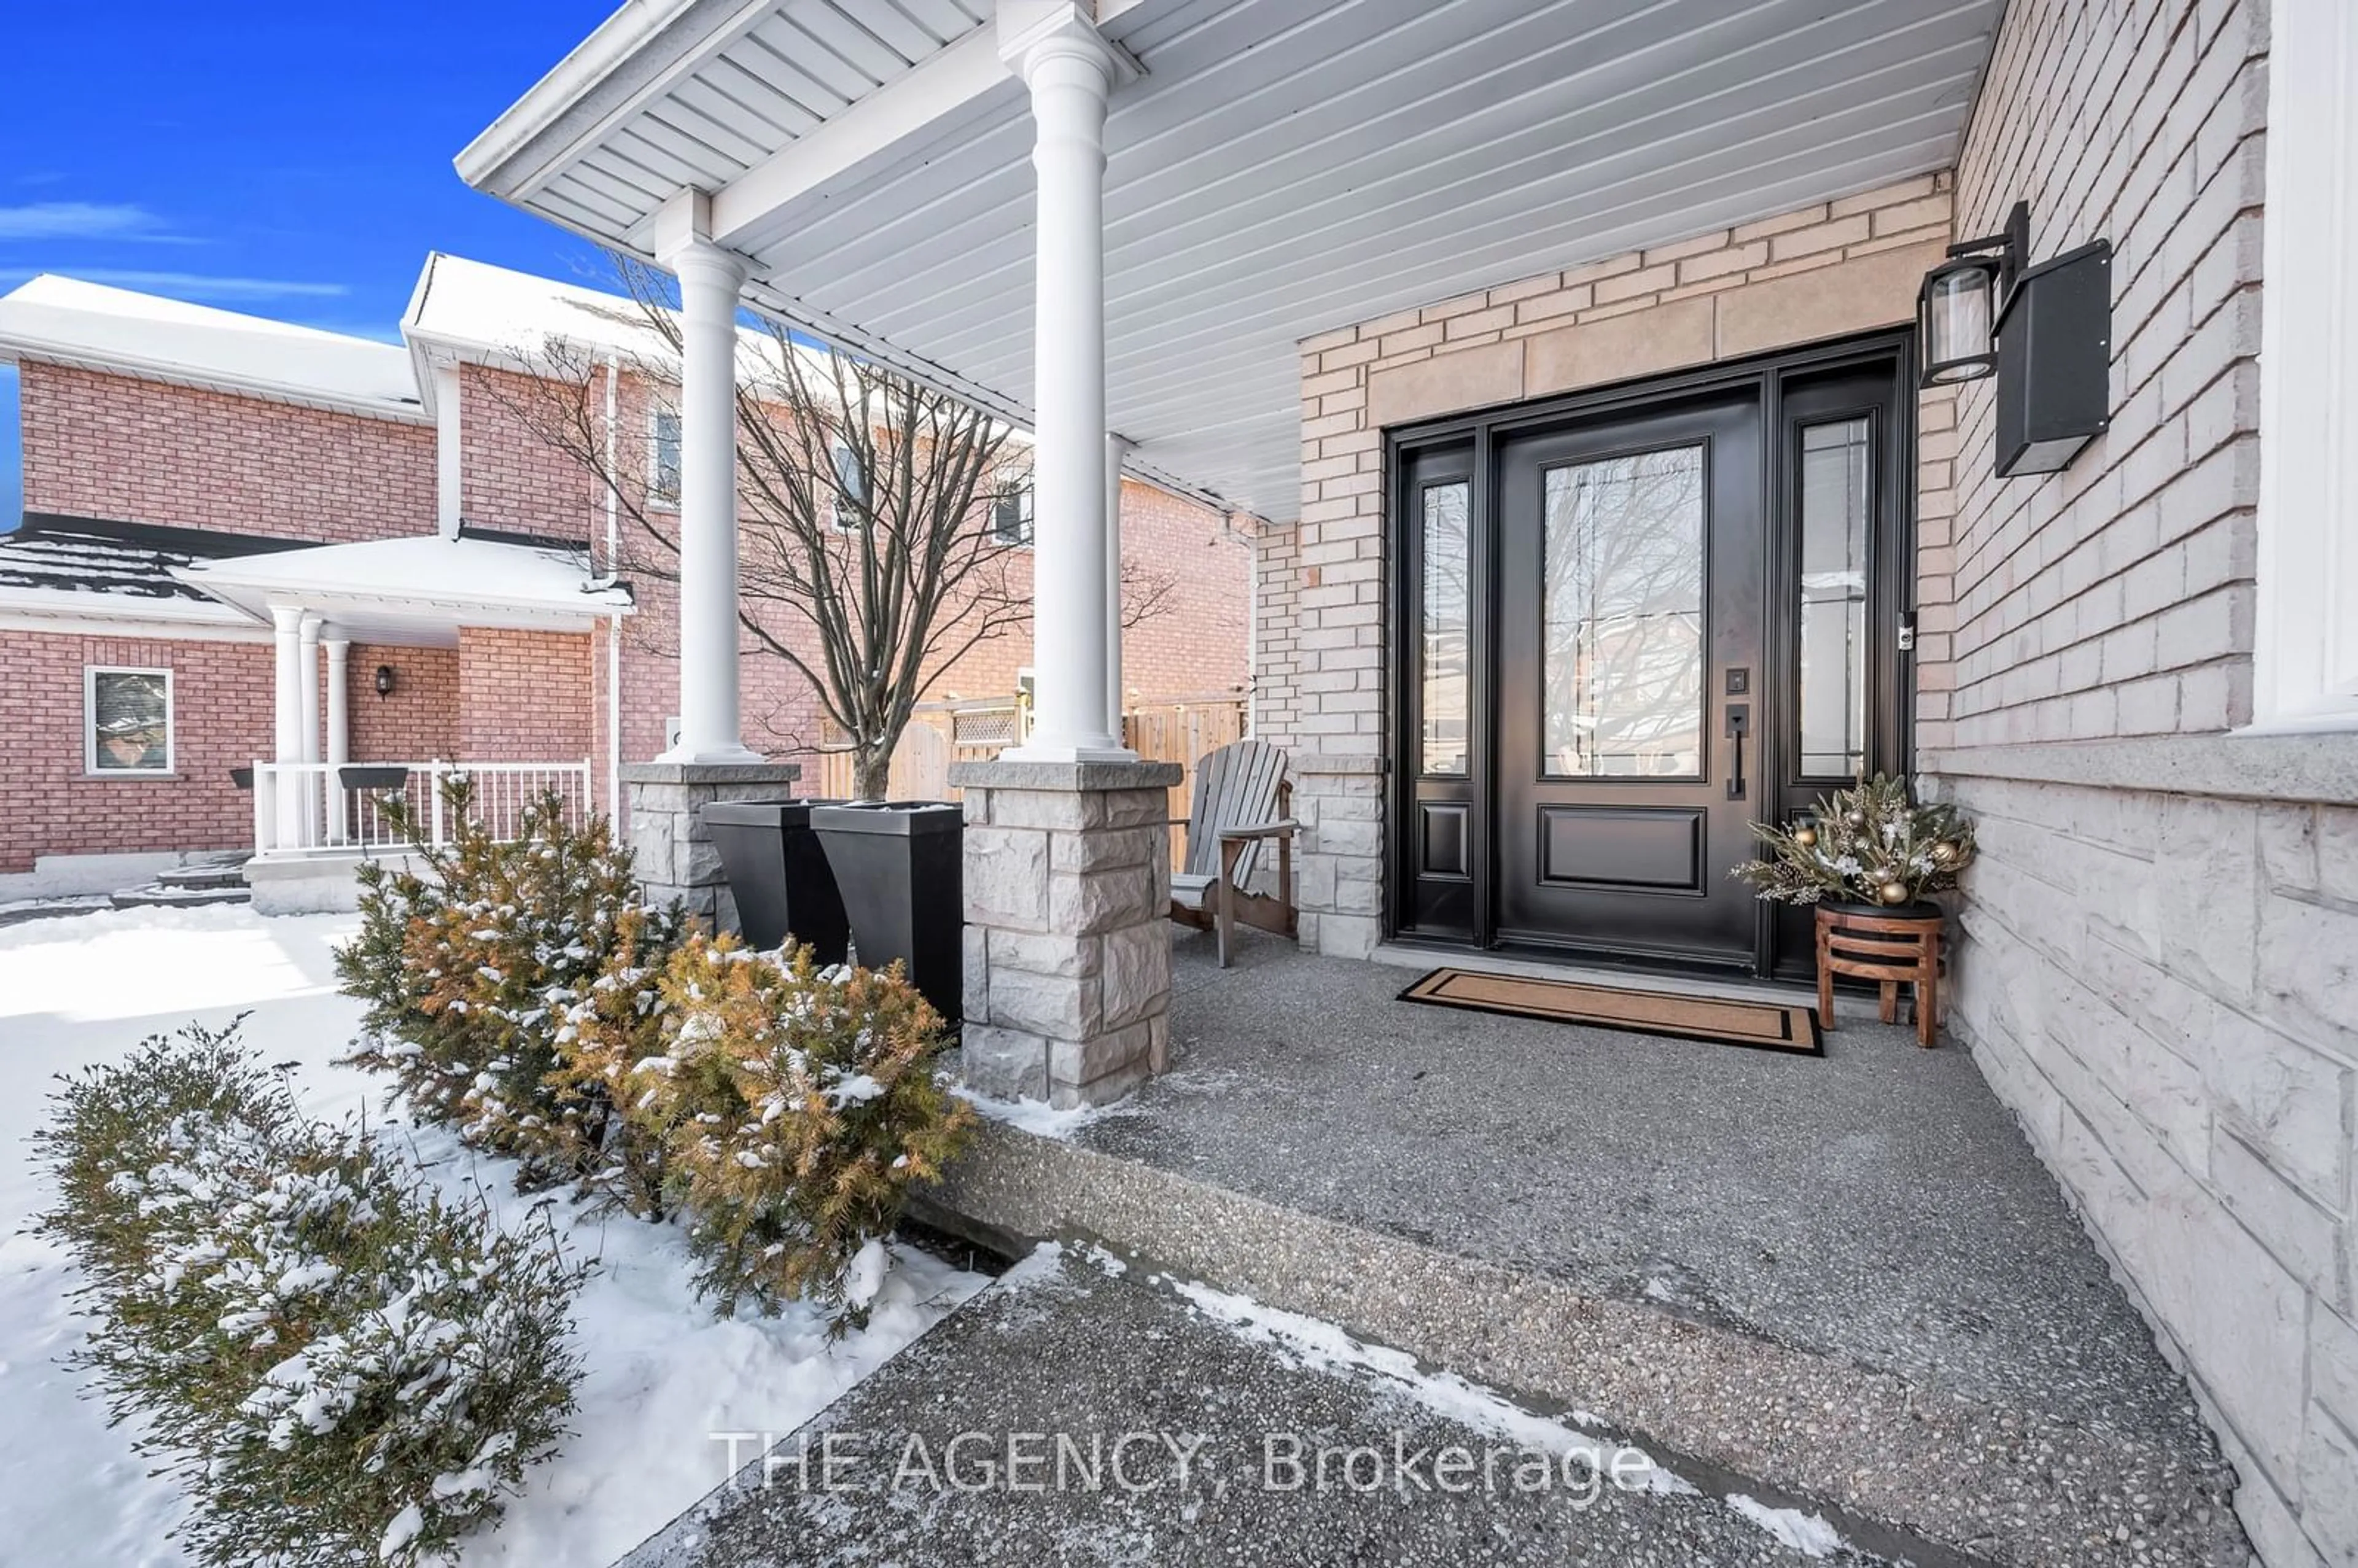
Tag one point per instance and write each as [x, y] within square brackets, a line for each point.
[1067, 927]
[675, 857]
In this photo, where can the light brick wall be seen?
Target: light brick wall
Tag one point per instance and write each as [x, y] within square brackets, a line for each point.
[222, 719]
[115, 446]
[2115, 599]
[1823, 271]
[2160, 982]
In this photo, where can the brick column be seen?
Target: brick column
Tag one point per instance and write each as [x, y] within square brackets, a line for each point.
[675, 857]
[1068, 931]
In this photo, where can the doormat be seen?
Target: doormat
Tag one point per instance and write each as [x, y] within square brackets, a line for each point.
[1762, 1025]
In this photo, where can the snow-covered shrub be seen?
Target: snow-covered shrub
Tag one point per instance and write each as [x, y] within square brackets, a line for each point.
[615, 1022]
[472, 965]
[340, 1366]
[796, 1106]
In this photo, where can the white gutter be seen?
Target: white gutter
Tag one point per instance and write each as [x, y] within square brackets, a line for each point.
[613, 623]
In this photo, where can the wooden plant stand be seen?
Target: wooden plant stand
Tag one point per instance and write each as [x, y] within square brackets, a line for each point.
[1889, 946]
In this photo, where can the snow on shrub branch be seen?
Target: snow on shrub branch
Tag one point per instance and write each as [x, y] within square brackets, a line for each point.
[339, 1364]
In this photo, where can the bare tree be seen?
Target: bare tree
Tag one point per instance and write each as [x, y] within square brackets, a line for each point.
[878, 517]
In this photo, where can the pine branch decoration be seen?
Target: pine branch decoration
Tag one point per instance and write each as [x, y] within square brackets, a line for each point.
[1867, 845]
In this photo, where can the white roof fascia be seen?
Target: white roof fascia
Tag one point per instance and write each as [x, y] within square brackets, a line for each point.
[115, 614]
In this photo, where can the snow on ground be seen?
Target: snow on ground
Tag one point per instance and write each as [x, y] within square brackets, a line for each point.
[661, 1377]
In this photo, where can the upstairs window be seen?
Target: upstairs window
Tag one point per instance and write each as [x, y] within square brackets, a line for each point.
[850, 485]
[127, 722]
[1011, 512]
[663, 456]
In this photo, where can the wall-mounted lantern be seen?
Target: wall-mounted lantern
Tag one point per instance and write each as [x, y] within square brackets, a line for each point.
[2045, 332]
[383, 681]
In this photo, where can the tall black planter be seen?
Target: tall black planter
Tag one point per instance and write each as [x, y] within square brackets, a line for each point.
[778, 874]
[900, 866]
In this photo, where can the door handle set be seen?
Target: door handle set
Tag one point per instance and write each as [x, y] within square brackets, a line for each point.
[1739, 725]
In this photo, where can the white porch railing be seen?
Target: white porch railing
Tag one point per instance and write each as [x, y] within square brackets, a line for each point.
[305, 806]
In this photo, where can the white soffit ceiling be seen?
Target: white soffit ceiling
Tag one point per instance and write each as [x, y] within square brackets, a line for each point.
[1284, 168]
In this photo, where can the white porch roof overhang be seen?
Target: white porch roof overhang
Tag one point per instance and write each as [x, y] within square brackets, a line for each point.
[417, 591]
[1281, 167]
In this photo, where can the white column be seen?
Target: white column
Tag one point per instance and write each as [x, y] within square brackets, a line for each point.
[308, 663]
[710, 279]
[450, 469]
[1070, 70]
[286, 744]
[340, 728]
[1116, 450]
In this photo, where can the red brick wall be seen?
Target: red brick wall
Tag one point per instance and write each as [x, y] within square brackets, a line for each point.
[222, 719]
[524, 696]
[513, 478]
[111, 446]
[419, 722]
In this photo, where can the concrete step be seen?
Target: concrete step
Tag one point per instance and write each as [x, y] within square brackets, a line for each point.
[1091, 1409]
[160, 895]
[1979, 1478]
[205, 875]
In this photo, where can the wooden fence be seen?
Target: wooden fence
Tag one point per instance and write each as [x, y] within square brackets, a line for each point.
[1176, 729]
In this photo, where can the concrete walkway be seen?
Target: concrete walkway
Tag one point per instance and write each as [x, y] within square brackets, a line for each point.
[1240, 1441]
[1848, 1276]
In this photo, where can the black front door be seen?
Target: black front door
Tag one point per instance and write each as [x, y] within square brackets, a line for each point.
[1628, 645]
[1632, 625]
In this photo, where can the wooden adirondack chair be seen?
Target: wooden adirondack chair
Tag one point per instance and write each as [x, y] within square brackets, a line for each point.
[1240, 802]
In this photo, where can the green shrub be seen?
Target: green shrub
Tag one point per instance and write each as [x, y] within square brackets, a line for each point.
[471, 966]
[339, 1364]
[794, 1107]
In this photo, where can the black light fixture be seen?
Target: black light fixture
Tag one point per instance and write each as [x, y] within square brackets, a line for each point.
[1956, 309]
[383, 681]
[2045, 332]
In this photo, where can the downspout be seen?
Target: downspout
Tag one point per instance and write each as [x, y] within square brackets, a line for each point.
[614, 622]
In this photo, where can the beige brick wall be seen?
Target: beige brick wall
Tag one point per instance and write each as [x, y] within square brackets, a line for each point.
[2157, 958]
[1825, 270]
[2115, 599]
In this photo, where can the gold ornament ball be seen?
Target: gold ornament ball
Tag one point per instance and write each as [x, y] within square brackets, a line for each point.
[1894, 892]
[1946, 854]
[1806, 837]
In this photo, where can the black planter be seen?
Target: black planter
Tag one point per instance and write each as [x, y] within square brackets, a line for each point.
[365, 777]
[778, 874]
[900, 866]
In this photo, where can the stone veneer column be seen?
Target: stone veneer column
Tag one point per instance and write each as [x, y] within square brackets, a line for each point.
[1338, 800]
[675, 857]
[1068, 930]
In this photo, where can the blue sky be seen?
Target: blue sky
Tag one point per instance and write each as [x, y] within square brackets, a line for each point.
[286, 160]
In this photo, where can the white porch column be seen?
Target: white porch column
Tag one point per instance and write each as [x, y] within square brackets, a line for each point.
[1116, 449]
[286, 711]
[1071, 70]
[710, 280]
[309, 662]
[340, 728]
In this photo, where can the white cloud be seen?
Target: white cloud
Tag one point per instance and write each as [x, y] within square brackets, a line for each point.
[189, 285]
[82, 220]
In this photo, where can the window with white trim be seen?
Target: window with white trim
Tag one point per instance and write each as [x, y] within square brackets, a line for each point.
[2305, 654]
[127, 722]
[663, 456]
[850, 484]
[1010, 510]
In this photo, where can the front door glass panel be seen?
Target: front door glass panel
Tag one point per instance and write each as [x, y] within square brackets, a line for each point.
[1445, 650]
[1622, 686]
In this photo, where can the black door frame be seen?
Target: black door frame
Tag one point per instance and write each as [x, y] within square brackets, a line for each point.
[1461, 445]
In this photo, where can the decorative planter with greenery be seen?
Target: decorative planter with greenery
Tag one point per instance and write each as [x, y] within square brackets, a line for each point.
[1872, 847]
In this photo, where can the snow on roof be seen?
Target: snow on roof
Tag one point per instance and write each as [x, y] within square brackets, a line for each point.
[66, 321]
[468, 580]
[81, 568]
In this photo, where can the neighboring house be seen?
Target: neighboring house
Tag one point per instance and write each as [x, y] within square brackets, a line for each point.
[1566, 357]
[445, 570]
